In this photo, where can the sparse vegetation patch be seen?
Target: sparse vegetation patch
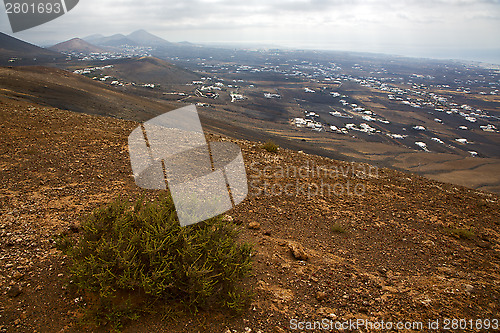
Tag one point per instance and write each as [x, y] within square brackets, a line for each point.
[133, 255]
[338, 228]
[460, 233]
[270, 146]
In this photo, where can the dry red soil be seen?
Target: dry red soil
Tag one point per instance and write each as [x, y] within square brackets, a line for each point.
[396, 259]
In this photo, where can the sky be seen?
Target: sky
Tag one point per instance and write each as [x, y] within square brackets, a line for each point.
[454, 29]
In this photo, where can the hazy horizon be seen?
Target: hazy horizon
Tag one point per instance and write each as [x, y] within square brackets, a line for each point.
[442, 29]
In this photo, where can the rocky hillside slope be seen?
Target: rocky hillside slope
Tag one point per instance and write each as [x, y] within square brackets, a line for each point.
[333, 240]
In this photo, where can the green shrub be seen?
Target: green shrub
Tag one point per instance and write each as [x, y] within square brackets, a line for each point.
[337, 227]
[461, 233]
[270, 146]
[140, 249]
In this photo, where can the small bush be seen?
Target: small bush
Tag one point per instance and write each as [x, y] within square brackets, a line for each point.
[140, 249]
[338, 228]
[461, 233]
[270, 146]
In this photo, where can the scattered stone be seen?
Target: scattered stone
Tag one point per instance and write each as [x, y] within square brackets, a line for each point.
[485, 237]
[248, 330]
[14, 291]
[17, 276]
[321, 296]
[298, 251]
[227, 218]
[424, 301]
[254, 225]
[363, 310]
[468, 288]
[484, 245]
[278, 329]
[326, 312]
[390, 289]
[74, 228]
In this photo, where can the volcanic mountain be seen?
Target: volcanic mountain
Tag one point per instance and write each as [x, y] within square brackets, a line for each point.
[77, 45]
[150, 70]
[144, 38]
[113, 41]
[137, 38]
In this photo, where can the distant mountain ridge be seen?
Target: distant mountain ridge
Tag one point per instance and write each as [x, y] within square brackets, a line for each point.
[136, 38]
[92, 38]
[161, 48]
[114, 40]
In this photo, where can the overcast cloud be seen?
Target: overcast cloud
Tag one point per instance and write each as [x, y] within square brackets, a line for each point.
[436, 28]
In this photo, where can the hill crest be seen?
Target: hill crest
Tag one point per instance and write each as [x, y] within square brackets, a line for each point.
[143, 37]
[150, 70]
[77, 45]
[137, 38]
[11, 47]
